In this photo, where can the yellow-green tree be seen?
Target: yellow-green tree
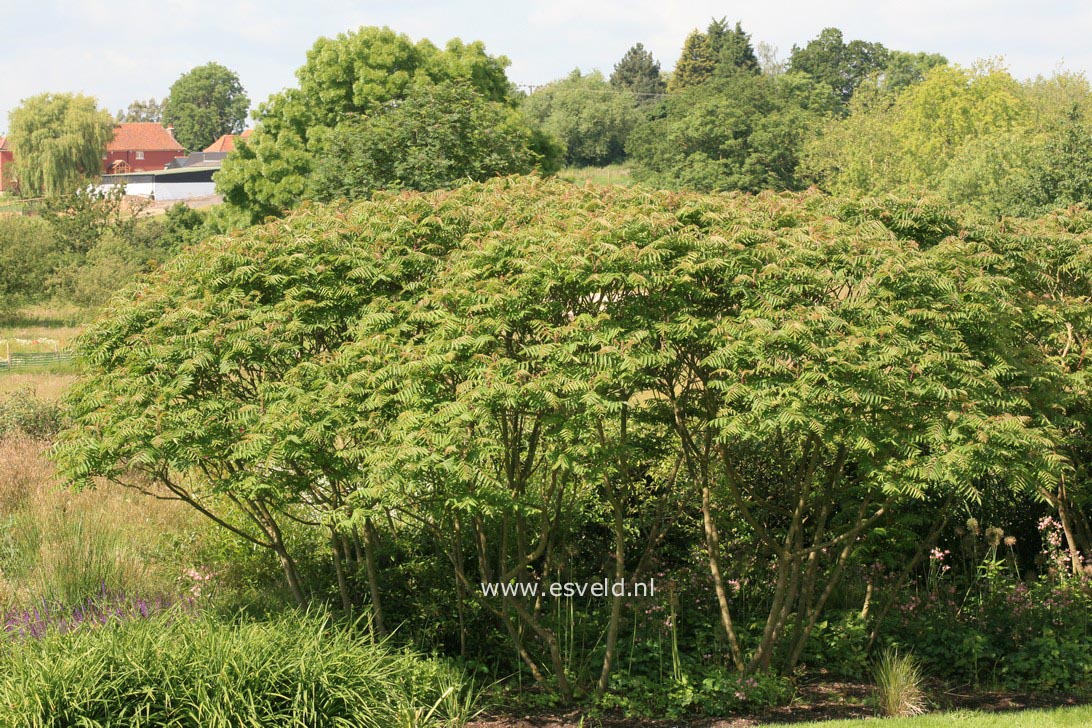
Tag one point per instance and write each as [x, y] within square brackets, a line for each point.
[909, 141]
[58, 140]
[950, 107]
[695, 64]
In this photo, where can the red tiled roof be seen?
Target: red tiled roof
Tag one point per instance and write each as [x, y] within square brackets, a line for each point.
[4, 144]
[145, 136]
[226, 143]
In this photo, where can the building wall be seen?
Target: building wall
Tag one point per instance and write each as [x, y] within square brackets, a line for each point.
[6, 170]
[152, 160]
[136, 189]
[183, 190]
[166, 190]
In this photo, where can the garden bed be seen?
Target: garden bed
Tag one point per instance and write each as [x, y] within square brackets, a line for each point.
[818, 701]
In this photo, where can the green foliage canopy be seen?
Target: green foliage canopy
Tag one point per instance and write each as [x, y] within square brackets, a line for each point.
[140, 110]
[439, 136]
[58, 141]
[742, 132]
[695, 65]
[841, 66]
[352, 74]
[500, 365]
[720, 51]
[639, 73]
[731, 47]
[205, 103]
[909, 141]
[1062, 173]
[591, 118]
[27, 251]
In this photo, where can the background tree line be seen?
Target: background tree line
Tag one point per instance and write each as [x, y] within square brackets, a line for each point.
[851, 117]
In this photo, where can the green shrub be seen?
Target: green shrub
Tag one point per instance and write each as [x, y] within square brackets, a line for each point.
[25, 413]
[195, 671]
[27, 250]
[699, 690]
[997, 629]
[839, 644]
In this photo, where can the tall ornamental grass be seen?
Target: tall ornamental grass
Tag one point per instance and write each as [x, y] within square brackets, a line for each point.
[899, 684]
[177, 669]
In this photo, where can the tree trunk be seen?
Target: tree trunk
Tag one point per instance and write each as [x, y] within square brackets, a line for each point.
[517, 640]
[291, 575]
[813, 611]
[339, 569]
[460, 590]
[1076, 561]
[288, 564]
[616, 598]
[547, 635]
[712, 545]
[370, 547]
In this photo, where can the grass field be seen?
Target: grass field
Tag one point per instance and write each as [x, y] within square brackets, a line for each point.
[62, 545]
[1023, 719]
[44, 383]
[46, 320]
[41, 328]
[37, 338]
[38, 331]
[614, 174]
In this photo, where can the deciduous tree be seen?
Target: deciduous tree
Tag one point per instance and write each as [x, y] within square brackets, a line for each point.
[841, 66]
[205, 103]
[505, 372]
[354, 73]
[909, 142]
[140, 110]
[58, 141]
[438, 136]
[590, 117]
[739, 132]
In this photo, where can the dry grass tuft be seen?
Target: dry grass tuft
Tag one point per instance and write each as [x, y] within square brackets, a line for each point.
[23, 470]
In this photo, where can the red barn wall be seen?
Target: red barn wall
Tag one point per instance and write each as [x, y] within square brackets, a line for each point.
[6, 169]
[152, 160]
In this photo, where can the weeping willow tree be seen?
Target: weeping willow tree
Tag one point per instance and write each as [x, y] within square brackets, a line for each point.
[58, 141]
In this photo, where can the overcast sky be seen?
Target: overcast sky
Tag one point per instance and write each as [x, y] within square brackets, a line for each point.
[120, 50]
